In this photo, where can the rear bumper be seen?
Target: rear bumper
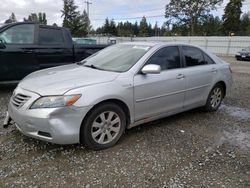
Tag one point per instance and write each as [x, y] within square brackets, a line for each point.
[57, 125]
[239, 57]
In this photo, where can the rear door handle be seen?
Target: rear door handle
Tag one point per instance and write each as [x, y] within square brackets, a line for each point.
[180, 76]
[28, 50]
[214, 70]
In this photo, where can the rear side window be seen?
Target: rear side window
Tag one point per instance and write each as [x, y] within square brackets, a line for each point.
[18, 34]
[48, 36]
[208, 60]
[193, 56]
[167, 58]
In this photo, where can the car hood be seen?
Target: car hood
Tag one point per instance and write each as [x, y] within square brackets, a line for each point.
[58, 80]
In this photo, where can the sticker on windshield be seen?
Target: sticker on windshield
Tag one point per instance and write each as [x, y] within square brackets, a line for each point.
[146, 48]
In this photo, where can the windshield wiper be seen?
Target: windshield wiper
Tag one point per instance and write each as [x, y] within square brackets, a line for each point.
[93, 67]
[81, 62]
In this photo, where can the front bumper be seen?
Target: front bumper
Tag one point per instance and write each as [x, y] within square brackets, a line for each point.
[56, 125]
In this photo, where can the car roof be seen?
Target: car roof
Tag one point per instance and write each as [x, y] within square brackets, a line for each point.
[3, 27]
[159, 44]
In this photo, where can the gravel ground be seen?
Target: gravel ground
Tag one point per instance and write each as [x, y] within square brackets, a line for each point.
[192, 149]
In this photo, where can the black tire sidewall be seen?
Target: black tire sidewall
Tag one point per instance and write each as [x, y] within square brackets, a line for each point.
[86, 137]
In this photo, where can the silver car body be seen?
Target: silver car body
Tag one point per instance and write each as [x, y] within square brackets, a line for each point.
[146, 97]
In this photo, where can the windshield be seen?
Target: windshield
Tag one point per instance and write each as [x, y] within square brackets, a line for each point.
[246, 49]
[117, 58]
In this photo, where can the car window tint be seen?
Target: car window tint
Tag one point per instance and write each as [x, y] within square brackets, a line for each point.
[167, 58]
[19, 34]
[48, 36]
[193, 56]
[208, 60]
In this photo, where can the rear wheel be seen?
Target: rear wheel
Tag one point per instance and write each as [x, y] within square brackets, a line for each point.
[103, 127]
[215, 98]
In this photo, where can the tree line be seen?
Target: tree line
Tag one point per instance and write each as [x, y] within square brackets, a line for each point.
[183, 18]
[187, 18]
[33, 17]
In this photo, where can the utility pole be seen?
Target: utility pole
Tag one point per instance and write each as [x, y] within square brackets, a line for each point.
[88, 3]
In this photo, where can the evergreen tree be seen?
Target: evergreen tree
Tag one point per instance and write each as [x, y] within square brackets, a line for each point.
[143, 32]
[136, 29]
[120, 29]
[112, 28]
[38, 18]
[85, 25]
[11, 19]
[33, 17]
[231, 17]
[156, 29]
[106, 27]
[71, 17]
[42, 18]
[210, 26]
[150, 30]
[245, 24]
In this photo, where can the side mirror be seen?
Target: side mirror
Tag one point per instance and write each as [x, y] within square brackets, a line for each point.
[2, 45]
[151, 69]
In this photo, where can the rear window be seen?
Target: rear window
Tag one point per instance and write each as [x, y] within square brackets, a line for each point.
[48, 36]
[208, 59]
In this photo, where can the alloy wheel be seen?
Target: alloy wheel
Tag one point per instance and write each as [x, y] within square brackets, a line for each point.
[106, 127]
[216, 97]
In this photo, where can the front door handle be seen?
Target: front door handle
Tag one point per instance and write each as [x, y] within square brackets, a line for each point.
[180, 76]
[214, 70]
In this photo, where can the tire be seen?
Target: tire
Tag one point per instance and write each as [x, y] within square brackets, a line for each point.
[215, 98]
[103, 126]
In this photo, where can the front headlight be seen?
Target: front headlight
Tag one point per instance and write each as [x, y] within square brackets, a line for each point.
[55, 101]
[237, 53]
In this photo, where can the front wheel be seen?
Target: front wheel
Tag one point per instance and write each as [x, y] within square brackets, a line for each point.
[103, 127]
[215, 98]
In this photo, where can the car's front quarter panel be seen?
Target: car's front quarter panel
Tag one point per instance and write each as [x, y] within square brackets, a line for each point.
[120, 89]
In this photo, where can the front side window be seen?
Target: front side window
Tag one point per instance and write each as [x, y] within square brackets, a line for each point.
[193, 56]
[19, 34]
[167, 58]
[117, 58]
[48, 36]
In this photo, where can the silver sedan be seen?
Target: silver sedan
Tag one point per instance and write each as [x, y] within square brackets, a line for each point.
[94, 101]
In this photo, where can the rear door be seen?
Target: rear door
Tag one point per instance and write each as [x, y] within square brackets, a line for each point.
[54, 50]
[18, 57]
[200, 72]
[155, 94]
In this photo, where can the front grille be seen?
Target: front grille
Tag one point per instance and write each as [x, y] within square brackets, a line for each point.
[19, 100]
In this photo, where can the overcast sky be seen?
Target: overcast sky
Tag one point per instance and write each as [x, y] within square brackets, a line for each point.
[120, 10]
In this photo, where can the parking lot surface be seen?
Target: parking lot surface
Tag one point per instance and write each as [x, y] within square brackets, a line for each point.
[192, 149]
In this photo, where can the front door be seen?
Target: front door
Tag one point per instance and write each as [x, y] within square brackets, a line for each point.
[18, 56]
[155, 94]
